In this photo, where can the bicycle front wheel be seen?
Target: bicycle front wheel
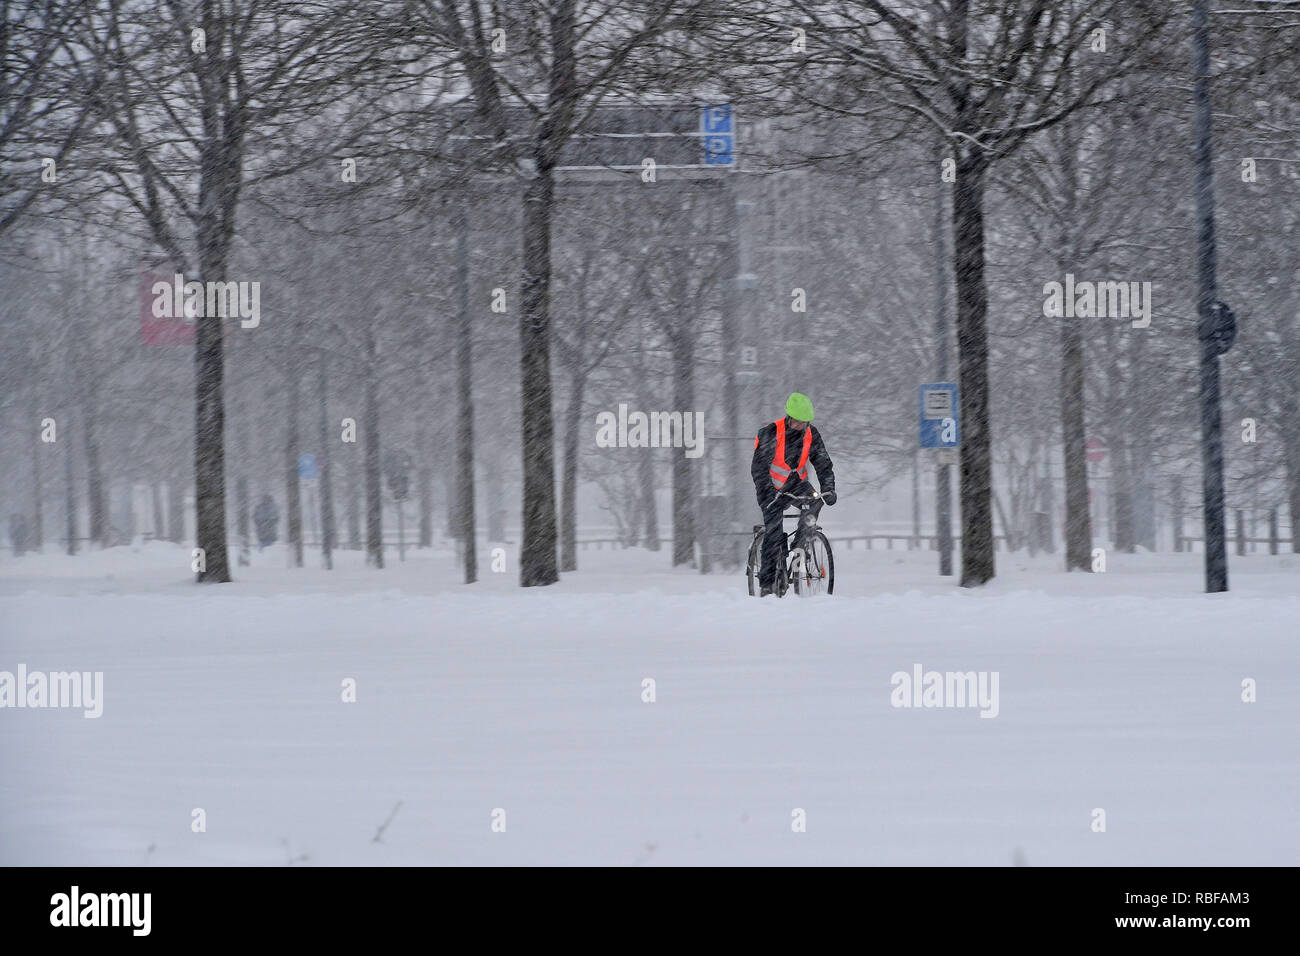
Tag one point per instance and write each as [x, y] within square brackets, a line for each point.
[819, 566]
[754, 563]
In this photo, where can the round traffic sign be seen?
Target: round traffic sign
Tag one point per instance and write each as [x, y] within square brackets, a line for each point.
[1096, 449]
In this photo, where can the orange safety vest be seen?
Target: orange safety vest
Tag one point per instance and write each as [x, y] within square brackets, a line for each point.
[779, 470]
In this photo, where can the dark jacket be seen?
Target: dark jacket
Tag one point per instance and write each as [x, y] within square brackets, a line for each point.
[765, 450]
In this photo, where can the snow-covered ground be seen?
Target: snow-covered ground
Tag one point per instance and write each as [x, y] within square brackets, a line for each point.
[1120, 691]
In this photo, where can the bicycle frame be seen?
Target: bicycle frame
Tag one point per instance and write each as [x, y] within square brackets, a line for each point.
[806, 515]
[800, 541]
[807, 526]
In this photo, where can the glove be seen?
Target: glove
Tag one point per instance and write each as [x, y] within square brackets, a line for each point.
[829, 497]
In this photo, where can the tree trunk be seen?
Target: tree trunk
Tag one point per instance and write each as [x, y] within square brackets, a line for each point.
[1009, 531]
[210, 419]
[1047, 505]
[354, 508]
[569, 478]
[241, 518]
[1123, 538]
[468, 529]
[683, 485]
[128, 511]
[977, 558]
[242, 439]
[1078, 518]
[1292, 453]
[495, 500]
[649, 509]
[537, 557]
[70, 506]
[1176, 507]
[328, 528]
[450, 526]
[374, 491]
[220, 171]
[425, 479]
[1141, 443]
[95, 503]
[293, 487]
[38, 525]
[176, 509]
[159, 526]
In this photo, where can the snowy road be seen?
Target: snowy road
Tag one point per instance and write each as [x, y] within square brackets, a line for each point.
[1121, 692]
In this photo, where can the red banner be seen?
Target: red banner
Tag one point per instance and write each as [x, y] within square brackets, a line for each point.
[163, 319]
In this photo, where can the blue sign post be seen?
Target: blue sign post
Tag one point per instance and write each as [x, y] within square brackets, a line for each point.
[938, 414]
[307, 467]
[719, 135]
[939, 426]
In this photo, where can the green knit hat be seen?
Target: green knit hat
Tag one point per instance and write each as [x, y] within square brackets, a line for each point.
[799, 406]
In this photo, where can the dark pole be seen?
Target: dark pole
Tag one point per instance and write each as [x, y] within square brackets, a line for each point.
[732, 319]
[1216, 554]
[943, 480]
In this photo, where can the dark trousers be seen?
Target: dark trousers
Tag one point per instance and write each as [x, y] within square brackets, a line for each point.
[774, 533]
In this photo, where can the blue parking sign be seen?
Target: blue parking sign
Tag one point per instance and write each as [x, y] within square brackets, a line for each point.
[717, 131]
[939, 415]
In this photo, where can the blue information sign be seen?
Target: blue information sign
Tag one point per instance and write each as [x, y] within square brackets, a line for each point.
[939, 415]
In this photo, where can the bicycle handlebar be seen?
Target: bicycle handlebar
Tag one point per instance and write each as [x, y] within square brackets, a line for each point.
[815, 496]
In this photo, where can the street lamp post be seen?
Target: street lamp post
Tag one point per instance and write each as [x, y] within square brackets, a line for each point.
[1216, 326]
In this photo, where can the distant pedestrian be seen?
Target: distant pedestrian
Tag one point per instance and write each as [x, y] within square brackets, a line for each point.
[266, 517]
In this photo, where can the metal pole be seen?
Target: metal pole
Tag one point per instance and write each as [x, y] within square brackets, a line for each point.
[942, 482]
[1216, 554]
[735, 485]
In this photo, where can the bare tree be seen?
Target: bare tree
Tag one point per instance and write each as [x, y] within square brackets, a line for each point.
[185, 126]
[583, 341]
[987, 74]
[534, 72]
[45, 102]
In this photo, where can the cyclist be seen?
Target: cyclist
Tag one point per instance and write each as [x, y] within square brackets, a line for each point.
[782, 451]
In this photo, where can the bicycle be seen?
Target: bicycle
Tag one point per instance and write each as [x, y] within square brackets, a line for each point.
[809, 565]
